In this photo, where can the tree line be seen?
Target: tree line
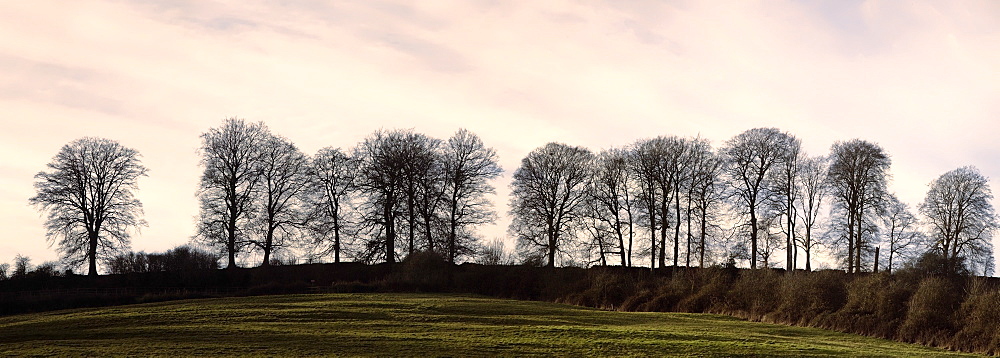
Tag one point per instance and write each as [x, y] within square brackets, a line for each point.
[679, 202]
[657, 202]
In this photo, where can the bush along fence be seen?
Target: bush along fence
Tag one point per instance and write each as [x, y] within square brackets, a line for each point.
[948, 311]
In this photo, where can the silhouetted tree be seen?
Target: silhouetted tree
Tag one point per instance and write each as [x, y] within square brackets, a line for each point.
[610, 202]
[89, 201]
[548, 195]
[22, 265]
[468, 167]
[231, 158]
[382, 181]
[645, 165]
[283, 178]
[332, 186]
[787, 190]
[4, 268]
[961, 216]
[181, 258]
[858, 175]
[676, 173]
[812, 178]
[661, 166]
[707, 193]
[494, 253]
[750, 157]
[422, 186]
[902, 236]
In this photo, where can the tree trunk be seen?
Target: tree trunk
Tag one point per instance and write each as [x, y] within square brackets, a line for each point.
[677, 223]
[753, 237]
[552, 250]
[268, 246]
[453, 226]
[859, 244]
[850, 240]
[231, 243]
[336, 239]
[687, 262]
[651, 207]
[410, 219]
[875, 269]
[807, 248]
[704, 225]
[390, 230]
[92, 253]
[664, 226]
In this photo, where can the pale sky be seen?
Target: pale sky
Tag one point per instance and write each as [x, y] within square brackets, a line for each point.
[922, 79]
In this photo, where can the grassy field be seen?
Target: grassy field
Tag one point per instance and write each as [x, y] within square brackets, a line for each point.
[412, 325]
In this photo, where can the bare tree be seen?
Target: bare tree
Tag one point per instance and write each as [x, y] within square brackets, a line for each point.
[88, 197]
[750, 157]
[678, 161]
[282, 179]
[548, 195]
[661, 167]
[787, 189]
[961, 217]
[707, 193]
[421, 185]
[22, 265]
[231, 158]
[611, 194]
[644, 162]
[329, 193]
[4, 271]
[468, 167]
[858, 178]
[494, 253]
[382, 181]
[902, 236]
[812, 178]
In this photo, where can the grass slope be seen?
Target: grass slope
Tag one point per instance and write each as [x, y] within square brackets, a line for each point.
[413, 325]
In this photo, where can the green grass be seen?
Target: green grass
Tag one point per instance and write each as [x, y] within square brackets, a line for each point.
[413, 325]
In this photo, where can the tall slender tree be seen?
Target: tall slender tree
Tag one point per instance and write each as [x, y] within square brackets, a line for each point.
[902, 235]
[611, 194]
[750, 158]
[645, 164]
[329, 194]
[812, 176]
[382, 181]
[705, 194]
[88, 196]
[283, 177]
[468, 166]
[787, 188]
[231, 159]
[858, 176]
[421, 185]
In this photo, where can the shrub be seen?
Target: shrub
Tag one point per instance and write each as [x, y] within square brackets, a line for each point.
[710, 291]
[606, 289]
[929, 318]
[422, 271]
[876, 305]
[753, 294]
[807, 296]
[979, 316]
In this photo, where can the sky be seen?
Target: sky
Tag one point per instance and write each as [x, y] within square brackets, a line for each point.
[920, 78]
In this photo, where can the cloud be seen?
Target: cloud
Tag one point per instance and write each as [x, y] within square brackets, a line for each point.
[919, 78]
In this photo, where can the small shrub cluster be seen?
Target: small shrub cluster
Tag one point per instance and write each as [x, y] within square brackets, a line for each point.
[182, 258]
